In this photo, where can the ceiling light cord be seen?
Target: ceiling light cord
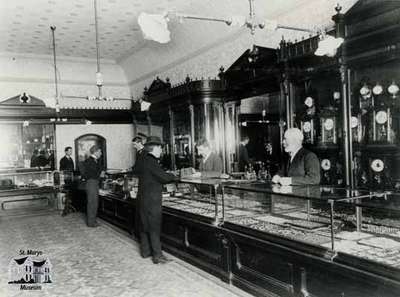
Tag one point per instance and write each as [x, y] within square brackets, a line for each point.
[53, 29]
[99, 80]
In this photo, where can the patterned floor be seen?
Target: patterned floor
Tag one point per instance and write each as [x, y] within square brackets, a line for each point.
[97, 262]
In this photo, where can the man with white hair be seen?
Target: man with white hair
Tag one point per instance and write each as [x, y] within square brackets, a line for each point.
[303, 167]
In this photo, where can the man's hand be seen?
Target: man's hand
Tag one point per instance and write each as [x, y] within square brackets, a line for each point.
[102, 174]
[224, 175]
[276, 179]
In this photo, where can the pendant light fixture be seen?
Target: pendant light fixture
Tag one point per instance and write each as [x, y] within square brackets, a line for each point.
[144, 105]
[57, 95]
[99, 75]
[155, 27]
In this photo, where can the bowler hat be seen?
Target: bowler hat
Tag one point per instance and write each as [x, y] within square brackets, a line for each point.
[154, 140]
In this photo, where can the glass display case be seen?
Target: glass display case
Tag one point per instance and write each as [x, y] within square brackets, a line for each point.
[26, 190]
[352, 222]
[196, 197]
[25, 179]
[378, 237]
[119, 184]
[27, 145]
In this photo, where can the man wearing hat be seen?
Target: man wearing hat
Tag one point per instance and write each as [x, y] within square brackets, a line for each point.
[137, 143]
[151, 179]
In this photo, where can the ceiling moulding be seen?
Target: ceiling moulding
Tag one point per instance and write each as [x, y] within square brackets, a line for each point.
[50, 81]
[220, 42]
[61, 58]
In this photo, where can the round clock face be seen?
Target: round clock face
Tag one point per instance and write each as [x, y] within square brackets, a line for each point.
[326, 164]
[307, 127]
[377, 90]
[377, 165]
[328, 124]
[354, 122]
[364, 91]
[393, 89]
[309, 102]
[381, 117]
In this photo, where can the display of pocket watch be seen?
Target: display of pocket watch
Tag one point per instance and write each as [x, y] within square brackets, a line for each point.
[377, 90]
[393, 89]
[365, 92]
[354, 122]
[310, 106]
[377, 165]
[307, 127]
[309, 102]
[326, 164]
[328, 124]
[381, 117]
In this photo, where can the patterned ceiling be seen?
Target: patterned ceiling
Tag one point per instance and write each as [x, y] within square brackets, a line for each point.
[25, 24]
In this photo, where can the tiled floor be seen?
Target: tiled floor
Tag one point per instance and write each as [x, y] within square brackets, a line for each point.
[97, 262]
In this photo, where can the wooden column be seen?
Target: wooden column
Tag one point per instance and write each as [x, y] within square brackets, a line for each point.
[192, 146]
[345, 75]
[171, 137]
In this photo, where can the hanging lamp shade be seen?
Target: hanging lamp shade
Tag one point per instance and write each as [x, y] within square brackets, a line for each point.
[154, 27]
[328, 46]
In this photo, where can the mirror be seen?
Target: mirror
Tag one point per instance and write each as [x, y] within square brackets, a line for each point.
[82, 149]
[182, 139]
[259, 119]
[27, 145]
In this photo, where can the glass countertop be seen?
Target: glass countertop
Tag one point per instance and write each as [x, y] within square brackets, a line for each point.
[316, 192]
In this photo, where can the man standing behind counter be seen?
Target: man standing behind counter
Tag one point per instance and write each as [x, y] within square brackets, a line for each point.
[244, 160]
[211, 165]
[303, 167]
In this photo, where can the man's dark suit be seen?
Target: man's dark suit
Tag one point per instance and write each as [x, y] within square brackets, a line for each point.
[67, 164]
[243, 157]
[212, 167]
[304, 168]
[151, 179]
[137, 169]
[92, 171]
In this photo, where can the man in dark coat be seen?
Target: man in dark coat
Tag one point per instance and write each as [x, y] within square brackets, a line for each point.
[211, 165]
[41, 160]
[34, 158]
[151, 179]
[303, 166]
[68, 167]
[137, 143]
[92, 173]
[66, 162]
[243, 154]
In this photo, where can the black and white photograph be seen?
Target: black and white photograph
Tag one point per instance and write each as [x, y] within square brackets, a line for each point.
[187, 148]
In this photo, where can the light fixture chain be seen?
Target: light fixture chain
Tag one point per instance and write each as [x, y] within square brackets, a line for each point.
[96, 24]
